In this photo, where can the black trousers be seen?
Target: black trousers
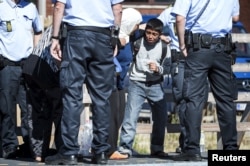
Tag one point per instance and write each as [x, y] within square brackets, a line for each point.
[22, 102]
[177, 74]
[87, 58]
[117, 107]
[44, 110]
[9, 84]
[216, 66]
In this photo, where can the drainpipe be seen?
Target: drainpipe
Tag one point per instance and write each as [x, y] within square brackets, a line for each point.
[42, 9]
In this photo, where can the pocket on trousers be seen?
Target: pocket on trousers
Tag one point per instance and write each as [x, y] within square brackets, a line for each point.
[234, 88]
[64, 77]
[186, 84]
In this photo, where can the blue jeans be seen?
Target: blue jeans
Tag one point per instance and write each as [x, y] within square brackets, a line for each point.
[137, 93]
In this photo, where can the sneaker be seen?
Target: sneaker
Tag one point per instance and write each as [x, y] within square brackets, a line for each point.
[123, 150]
[118, 156]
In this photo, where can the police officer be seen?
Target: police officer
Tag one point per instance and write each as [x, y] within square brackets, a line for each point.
[177, 73]
[18, 19]
[87, 58]
[207, 55]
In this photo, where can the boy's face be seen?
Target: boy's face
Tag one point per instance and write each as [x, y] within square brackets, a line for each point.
[152, 36]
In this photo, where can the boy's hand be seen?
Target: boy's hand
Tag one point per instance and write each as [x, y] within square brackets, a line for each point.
[153, 67]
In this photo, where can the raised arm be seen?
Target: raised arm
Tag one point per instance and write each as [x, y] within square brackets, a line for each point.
[180, 25]
[55, 49]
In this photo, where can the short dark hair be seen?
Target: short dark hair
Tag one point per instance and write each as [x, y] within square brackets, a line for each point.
[155, 24]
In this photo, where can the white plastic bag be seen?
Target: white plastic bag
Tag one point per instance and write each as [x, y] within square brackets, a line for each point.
[86, 137]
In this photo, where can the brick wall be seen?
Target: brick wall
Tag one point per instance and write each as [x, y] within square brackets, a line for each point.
[49, 7]
[245, 13]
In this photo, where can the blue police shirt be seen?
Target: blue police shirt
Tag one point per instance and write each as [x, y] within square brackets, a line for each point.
[89, 13]
[216, 19]
[169, 20]
[17, 23]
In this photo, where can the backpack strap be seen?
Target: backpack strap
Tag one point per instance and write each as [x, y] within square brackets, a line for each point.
[135, 41]
[164, 51]
[136, 47]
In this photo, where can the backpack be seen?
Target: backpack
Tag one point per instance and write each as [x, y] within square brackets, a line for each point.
[137, 44]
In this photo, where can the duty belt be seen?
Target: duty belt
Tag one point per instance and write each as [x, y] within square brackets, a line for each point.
[221, 40]
[176, 55]
[207, 41]
[7, 62]
[197, 41]
[106, 31]
[197, 37]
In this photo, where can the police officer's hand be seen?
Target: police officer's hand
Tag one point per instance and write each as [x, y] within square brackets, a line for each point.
[115, 51]
[121, 43]
[55, 49]
[166, 39]
[184, 51]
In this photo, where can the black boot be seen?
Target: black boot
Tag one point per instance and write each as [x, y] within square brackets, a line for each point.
[58, 159]
[100, 159]
[10, 153]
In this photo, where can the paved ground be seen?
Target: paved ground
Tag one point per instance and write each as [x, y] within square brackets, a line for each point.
[139, 160]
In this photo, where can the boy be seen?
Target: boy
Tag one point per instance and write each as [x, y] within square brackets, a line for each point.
[146, 76]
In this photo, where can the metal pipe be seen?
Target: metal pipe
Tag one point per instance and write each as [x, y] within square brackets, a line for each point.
[42, 7]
